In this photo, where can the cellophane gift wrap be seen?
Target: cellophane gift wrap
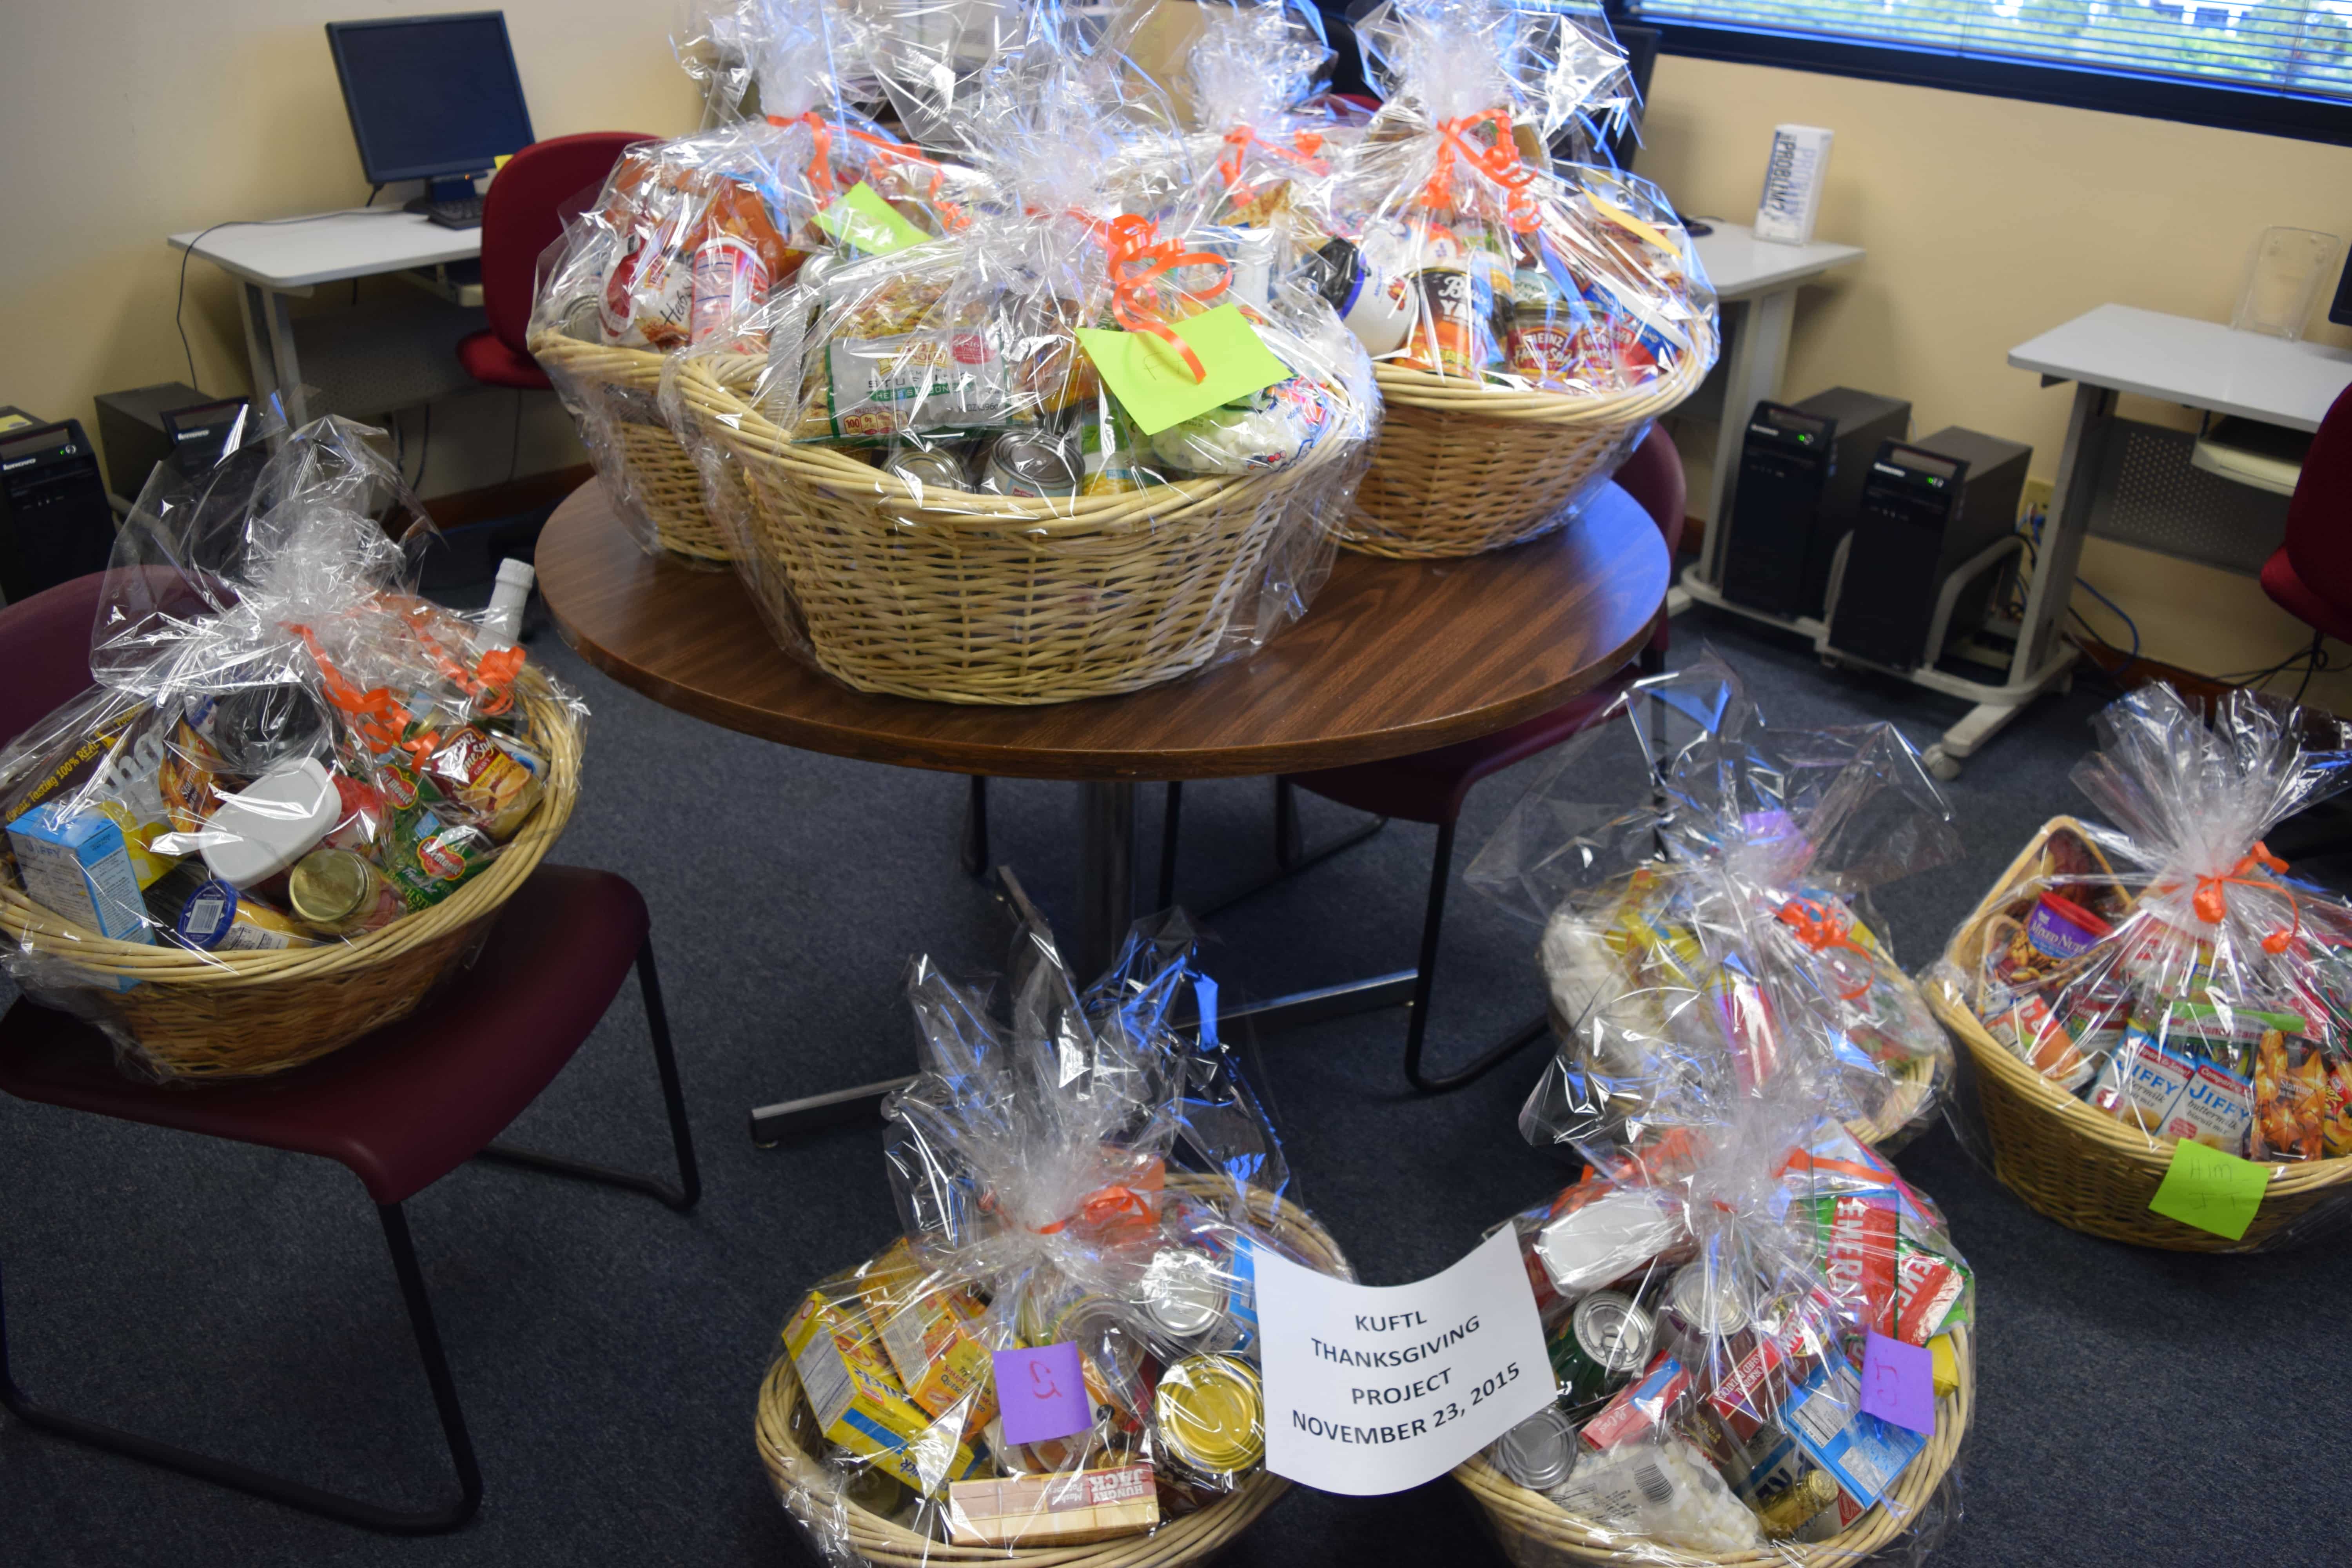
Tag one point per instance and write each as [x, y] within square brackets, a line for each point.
[284, 747]
[1761, 1335]
[690, 235]
[2167, 968]
[1733, 884]
[1464, 252]
[1264, 139]
[1061, 1348]
[950, 496]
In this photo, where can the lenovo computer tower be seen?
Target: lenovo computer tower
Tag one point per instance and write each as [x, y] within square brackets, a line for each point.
[167, 423]
[55, 524]
[1928, 507]
[1801, 474]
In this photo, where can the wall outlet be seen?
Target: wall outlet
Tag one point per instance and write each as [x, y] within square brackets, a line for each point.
[2035, 499]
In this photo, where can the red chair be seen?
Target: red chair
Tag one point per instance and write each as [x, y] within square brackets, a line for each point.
[1432, 786]
[2310, 575]
[540, 190]
[400, 1108]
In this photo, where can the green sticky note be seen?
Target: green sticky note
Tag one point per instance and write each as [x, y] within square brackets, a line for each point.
[2211, 1190]
[864, 219]
[1154, 385]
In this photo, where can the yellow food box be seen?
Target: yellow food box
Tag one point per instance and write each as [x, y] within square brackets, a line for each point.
[936, 1359]
[1947, 1365]
[859, 1403]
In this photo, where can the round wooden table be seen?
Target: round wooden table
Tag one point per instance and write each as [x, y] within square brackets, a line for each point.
[1393, 656]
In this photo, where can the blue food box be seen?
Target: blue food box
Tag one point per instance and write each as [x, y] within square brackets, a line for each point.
[78, 864]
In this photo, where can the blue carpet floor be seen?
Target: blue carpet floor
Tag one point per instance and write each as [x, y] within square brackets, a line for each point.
[2135, 1407]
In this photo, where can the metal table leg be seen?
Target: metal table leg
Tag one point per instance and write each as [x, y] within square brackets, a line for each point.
[1106, 877]
[288, 368]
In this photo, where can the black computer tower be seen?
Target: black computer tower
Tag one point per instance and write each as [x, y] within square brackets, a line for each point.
[1928, 507]
[164, 423]
[55, 524]
[1801, 474]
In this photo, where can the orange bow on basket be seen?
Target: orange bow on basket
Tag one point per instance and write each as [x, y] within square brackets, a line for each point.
[1304, 146]
[1138, 259]
[886, 152]
[1499, 161]
[1821, 927]
[2211, 903]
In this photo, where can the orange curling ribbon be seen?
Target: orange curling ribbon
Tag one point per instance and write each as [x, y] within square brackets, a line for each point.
[1105, 1209]
[1500, 161]
[886, 152]
[1820, 928]
[1302, 151]
[2211, 903]
[376, 716]
[1134, 304]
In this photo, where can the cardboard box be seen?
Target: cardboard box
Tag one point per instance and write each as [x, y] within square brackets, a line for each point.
[1053, 1511]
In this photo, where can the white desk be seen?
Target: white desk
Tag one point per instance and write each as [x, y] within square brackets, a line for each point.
[2117, 348]
[1760, 280]
[276, 262]
[2203, 364]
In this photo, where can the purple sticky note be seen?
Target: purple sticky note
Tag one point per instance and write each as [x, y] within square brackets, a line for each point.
[1043, 1394]
[1898, 1383]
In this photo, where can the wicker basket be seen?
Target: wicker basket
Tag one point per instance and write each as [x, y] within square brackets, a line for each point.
[995, 599]
[1461, 468]
[1536, 1532]
[2088, 1172]
[214, 1016]
[801, 1479]
[660, 472]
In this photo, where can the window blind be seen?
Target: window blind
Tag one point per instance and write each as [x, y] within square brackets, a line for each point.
[2301, 49]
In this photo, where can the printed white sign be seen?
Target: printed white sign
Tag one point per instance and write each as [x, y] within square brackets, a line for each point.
[1375, 1388]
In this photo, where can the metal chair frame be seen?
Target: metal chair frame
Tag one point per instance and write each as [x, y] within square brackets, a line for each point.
[394, 1219]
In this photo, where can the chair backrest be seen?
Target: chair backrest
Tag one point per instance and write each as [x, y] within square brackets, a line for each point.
[1654, 477]
[44, 648]
[540, 190]
[2319, 516]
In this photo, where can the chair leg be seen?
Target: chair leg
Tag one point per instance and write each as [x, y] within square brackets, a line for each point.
[688, 1191]
[277, 1489]
[1425, 981]
[975, 828]
[1171, 821]
[1290, 854]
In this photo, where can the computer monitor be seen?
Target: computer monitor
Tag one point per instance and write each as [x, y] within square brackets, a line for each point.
[430, 97]
[2340, 310]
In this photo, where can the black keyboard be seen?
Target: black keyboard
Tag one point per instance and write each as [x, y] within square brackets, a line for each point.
[464, 212]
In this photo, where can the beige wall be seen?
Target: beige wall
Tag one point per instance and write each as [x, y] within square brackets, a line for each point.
[123, 120]
[1988, 222]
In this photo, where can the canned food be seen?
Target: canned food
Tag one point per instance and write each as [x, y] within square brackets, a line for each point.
[1211, 1413]
[1706, 1320]
[1604, 1343]
[337, 891]
[1539, 1453]
[1033, 463]
[929, 467]
[1184, 1298]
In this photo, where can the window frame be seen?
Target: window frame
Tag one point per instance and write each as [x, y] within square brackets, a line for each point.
[2116, 92]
